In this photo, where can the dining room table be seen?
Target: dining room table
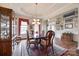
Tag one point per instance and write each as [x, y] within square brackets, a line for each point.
[37, 39]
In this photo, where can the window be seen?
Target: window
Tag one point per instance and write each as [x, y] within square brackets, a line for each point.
[23, 27]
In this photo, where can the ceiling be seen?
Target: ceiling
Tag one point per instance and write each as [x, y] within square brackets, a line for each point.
[41, 10]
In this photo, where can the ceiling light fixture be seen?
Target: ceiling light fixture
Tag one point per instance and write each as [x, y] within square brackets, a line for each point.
[36, 20]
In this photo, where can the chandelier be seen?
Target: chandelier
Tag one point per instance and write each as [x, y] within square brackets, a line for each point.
[36, 20]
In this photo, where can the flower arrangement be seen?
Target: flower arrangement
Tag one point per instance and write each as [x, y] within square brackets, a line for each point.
[68, 33]
[71, 36]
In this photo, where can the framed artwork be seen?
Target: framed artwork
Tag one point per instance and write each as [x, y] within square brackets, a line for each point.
[67, 20]
[69, 26]
[58, 20]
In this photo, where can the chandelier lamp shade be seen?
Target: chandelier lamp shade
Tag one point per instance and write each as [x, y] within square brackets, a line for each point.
[36, 21]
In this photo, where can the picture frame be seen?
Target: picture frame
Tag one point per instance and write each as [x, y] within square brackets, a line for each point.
[67, 20]
[69, 26]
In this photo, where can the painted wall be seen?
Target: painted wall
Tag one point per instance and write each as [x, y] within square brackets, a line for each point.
[74, 30]
[43, 28]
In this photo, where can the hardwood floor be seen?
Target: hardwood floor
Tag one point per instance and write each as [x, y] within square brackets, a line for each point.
[39, 51]
[21, 50]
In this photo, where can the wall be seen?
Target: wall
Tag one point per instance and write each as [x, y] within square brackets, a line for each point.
[43, 26]
[63, 10]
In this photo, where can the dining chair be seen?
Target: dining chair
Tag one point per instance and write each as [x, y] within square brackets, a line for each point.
[48, 41]
[30, 41]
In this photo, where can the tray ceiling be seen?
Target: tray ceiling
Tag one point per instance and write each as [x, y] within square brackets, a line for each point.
[31, 10]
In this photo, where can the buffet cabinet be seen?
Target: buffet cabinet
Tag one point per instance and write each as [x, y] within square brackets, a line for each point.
[5, 31]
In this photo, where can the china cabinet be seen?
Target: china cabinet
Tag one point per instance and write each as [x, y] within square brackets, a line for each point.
[5, 31]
